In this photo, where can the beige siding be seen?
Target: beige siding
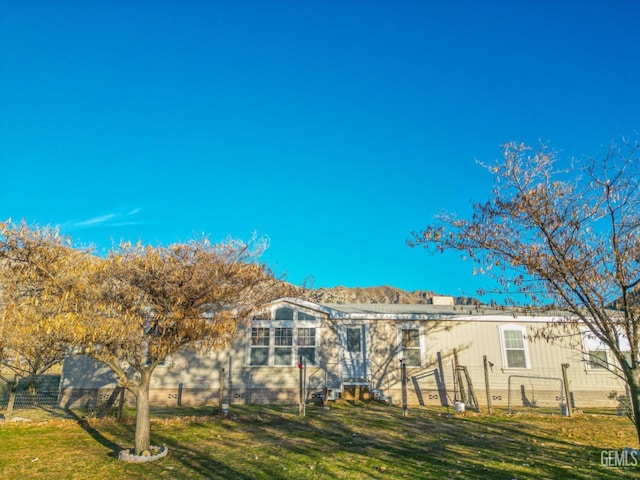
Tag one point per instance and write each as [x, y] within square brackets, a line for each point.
[193, 378]
[474, 339]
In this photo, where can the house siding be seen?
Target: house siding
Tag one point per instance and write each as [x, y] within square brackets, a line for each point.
[191, 378]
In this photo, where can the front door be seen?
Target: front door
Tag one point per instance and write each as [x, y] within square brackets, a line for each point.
[354, 348]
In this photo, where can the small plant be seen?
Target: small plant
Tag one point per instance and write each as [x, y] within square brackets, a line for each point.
[624, 405]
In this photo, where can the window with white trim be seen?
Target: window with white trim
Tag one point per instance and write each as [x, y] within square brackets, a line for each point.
[410, 345]
[307, 344]
[305, 316]
[280, 338]
[515, 350]
[595, 351]
[284, 314]
[259, 346]
[597, 354]
[283, 346]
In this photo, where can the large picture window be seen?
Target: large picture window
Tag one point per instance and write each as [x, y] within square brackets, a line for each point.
[515, 352]
[281, 337]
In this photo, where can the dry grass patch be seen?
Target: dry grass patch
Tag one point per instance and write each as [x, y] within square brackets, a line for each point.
[350, 442]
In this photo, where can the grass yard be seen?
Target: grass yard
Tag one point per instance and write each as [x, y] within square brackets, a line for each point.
[348, 441]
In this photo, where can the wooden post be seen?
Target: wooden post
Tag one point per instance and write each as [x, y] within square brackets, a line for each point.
[455, 383]
[103, 411]
[486, 382]
[458, 377]
[304, 387]
[471, 394]
[180, 391]
[221, 394]
[325, 399]
[230, 387]
[403, 373]
[565, 381]
[301, 388]
[440, 380]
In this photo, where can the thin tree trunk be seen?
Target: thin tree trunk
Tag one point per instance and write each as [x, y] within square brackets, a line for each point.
[14, 388]
[12, 397]
[143, 425]
[633, 379]
[32, 386]
[120, 404]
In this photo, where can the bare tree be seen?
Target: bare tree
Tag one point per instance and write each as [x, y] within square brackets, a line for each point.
[568, 238]
[153, 301]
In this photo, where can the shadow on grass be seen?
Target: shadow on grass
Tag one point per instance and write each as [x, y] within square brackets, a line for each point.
[367, 441]
[200, 461]
[342, 443]
[95, 434]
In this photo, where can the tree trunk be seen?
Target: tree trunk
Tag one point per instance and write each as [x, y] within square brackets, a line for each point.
[633, 380]
[12, 397]
[32, 386]
[143, 426]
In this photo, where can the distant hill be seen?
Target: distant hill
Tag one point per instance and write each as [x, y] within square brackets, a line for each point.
[383, 294]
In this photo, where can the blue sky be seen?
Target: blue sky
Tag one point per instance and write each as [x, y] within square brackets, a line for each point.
[335, 128]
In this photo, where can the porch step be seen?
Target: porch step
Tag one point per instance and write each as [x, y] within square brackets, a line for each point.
[352, 382]
[368, 393]
[333, 394]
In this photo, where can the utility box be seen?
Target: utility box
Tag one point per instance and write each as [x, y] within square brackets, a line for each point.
[442, 300]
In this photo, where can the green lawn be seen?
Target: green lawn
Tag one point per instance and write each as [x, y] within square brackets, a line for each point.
[350, 442]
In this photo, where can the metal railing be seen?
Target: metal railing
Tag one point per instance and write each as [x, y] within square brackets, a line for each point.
[533, 379]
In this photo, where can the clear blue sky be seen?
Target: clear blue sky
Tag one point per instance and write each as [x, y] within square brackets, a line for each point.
[335, 128]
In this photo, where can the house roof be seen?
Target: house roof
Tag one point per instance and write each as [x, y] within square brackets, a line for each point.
[397, 308]
[435, 312]
[397, 311]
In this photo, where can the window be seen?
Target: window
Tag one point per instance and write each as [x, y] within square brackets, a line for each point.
[284, 314]
[259, 346]
[305, 316]
[410, 343]
[598, 359]
[515, 353]
[283, 346]
[595, 351]
[307, 345]
[280, 337]
[354, 339]
[597, 354]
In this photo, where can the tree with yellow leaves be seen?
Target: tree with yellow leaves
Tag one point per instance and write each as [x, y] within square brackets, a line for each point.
[149, 302]
[128, 310]
[39, 278]
[568, 238]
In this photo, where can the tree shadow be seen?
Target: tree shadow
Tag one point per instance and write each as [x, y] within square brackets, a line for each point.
[96, 435]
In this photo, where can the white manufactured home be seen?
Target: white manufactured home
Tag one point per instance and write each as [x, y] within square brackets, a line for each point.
[449, 353]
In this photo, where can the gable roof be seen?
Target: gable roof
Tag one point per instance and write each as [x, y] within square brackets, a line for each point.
[399, 311]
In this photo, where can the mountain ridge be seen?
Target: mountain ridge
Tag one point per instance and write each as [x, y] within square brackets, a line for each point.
[379, 294]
